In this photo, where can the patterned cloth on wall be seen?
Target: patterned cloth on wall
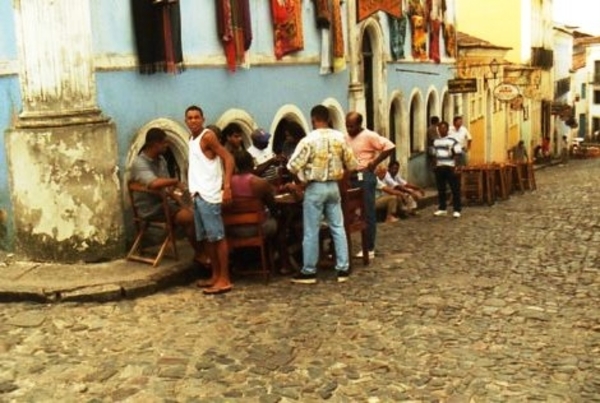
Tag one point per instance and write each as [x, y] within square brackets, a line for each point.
[397, 35]
[434, 40]
[450, 39]
[287, 26]
[235, 30]
[329, 21]
[157, 29]
[419, 34]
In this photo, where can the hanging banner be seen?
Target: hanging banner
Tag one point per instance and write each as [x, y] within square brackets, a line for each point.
[368, 7]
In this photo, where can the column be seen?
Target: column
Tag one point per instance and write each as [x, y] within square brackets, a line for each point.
[62, 152]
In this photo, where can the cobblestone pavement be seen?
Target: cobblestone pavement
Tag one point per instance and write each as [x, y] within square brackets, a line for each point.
[500, 305]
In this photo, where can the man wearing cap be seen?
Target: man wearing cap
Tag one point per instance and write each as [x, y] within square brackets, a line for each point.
[264, 159]
[149, 168]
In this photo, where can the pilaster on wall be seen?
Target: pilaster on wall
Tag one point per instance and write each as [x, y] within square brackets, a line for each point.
[61, 151]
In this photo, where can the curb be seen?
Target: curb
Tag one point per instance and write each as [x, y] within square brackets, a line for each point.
[178, 274]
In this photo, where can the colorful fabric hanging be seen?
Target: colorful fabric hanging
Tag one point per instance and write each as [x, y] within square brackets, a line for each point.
[434, 40]
[329, 21]
[287, 26]
[449, 33]
[419, 31]
[397, 35]
[157, 30]
[235, 30]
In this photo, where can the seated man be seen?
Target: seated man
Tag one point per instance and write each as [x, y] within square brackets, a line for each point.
[265, 161]
[149, 168]
[244, 183]
[232, 138]
[411, 194]
[386, 197]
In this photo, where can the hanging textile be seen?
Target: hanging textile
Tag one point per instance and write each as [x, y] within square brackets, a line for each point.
[397, 35]
[235, 30]
[287, 26]
[434, 40]
[329, 22]
[449, 33]
[418, 28]
[157, 30]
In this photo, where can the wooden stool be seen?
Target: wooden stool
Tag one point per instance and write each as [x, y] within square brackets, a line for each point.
[501, 186]
[528, 176]
[517, 174]
[489, 185]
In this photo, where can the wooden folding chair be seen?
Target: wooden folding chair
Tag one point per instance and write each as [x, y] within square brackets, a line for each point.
[249, 213]
[140, 252]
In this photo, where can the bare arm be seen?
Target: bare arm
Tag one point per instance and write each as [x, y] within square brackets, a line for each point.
[211, 145]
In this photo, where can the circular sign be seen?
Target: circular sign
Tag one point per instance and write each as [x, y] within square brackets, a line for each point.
[506, 92]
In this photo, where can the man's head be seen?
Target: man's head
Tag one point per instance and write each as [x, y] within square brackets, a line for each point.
[457, 121]
[243, 161]
[232, 135]
[156, 142]
[380, 171]
[319, 116]
[443, 128]
[260, 138]
[434, 120]
[194, 119]
[394, 167]
[354, 121]
[520, 144]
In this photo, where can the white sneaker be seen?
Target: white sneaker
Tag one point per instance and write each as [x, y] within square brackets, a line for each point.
[371, 254]
[440, 213]
[456, 214]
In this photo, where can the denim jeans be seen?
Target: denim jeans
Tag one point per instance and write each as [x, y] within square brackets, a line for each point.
[323, 199]
[369, 186]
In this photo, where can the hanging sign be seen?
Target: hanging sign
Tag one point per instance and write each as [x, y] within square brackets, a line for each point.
[368, 7]
[505, 92]
[462, 85]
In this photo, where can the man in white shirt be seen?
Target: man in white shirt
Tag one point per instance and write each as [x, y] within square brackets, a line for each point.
[460, 133]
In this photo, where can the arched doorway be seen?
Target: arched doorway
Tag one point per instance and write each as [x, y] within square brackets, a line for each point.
[368, 80]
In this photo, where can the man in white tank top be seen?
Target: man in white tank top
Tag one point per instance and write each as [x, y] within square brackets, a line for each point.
[209, 181]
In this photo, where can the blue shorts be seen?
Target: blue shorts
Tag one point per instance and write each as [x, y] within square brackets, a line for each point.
[208, 220]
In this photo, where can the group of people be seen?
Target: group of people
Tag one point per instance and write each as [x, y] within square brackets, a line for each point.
[220, 168]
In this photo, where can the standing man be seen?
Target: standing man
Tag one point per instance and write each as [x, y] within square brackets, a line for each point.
[370, 149]
[447, 154]
[432, 134]
[209, 181]
[320, 160]
[459, 132]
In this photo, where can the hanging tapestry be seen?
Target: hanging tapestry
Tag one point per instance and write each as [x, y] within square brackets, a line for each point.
[157, 30]
[419, 30]
[449, 33]
[235, 30]
[287, 26]
[329, 22]
[434, 40]
[397, 35]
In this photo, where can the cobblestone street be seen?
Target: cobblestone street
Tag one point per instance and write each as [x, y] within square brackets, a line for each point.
[501, 305]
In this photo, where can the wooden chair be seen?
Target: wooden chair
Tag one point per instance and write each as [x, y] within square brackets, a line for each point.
[353, 210]
[250, 213]
[140, 252]
[472, 184]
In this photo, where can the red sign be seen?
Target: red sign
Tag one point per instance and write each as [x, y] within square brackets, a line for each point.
[369, 7]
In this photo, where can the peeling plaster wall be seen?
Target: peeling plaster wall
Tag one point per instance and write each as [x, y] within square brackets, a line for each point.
[65, 190]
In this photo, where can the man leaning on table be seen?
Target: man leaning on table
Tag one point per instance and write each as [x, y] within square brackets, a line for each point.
[319, 161]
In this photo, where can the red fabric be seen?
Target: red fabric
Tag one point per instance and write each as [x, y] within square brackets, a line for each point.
[434, 40]
[287, 26]
[234, 29]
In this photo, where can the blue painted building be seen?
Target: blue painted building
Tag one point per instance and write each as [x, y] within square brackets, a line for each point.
[93, 85]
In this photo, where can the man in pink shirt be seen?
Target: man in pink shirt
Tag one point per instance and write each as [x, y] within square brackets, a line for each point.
[370, 149]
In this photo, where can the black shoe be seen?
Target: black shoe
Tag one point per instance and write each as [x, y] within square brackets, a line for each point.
[342, 276]
[304, 278]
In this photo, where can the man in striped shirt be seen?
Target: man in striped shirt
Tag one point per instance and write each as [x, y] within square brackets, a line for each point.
[446, 152]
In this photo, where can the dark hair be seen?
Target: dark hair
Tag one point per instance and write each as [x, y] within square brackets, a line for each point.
[194, 108]
[456, 118]
[434, 120]
[243, 160]
[443, 122]
[231, 129]
[393, 163]
[320, 113]
[155, 135]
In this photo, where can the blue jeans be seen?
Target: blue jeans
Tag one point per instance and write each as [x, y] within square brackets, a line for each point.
[323, 199]
[208, 220]
[369, 186]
